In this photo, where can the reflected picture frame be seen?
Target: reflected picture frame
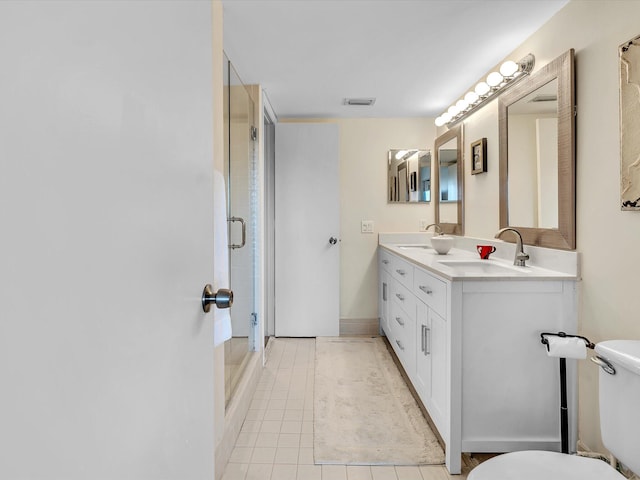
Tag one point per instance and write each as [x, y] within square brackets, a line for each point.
[479, 156]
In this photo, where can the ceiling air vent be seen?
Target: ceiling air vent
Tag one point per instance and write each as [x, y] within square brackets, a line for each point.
[360, 102]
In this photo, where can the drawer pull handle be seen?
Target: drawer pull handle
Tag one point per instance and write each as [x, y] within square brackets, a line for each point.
[425, 289]
[422, 339]
[400, 345]
[386, 262]
[400, 297]
[401, 272]
[399, 320]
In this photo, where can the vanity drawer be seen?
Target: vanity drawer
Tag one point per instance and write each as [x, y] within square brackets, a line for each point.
[402, 271]
[403, 341]
[404, 298]
[431, 290]
[385, 260]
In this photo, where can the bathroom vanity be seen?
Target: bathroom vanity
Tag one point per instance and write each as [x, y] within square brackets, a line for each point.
[467, 333]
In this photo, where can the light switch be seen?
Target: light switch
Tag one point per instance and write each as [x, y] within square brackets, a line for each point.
[366, 226]
[423, 224]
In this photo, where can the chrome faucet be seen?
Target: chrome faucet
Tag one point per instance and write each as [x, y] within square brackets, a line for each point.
[435, 226]
[520, 257]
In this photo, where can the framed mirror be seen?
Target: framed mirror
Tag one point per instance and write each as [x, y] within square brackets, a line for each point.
[409, 176]
[537, 156]
[449, 181]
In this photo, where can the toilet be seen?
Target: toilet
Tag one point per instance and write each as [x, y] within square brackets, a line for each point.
[619, 423]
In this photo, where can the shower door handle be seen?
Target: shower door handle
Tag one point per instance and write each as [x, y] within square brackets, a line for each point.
[244, 231]
[223, 298]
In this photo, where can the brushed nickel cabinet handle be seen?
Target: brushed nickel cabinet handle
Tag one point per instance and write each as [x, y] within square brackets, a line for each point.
[427, 341]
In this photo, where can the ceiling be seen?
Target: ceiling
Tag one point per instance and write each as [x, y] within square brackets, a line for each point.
[415, 57]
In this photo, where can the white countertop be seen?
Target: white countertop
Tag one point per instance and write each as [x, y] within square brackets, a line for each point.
[460, 264]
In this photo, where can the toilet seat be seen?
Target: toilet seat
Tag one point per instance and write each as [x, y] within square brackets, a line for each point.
[542, 465]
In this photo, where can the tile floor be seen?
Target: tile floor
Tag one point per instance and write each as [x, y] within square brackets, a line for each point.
[276, 440]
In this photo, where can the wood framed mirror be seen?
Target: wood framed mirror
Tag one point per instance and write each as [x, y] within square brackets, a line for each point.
[449, 181]
[537, 156]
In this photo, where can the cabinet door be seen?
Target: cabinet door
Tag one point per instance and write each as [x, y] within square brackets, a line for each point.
[422, 380]
[431, 373]
[437, 346]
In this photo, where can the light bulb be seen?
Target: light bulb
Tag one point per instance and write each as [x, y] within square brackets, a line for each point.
[453, 110]
[439, 121]
[446, 116]
[508, 68]
[471, 97]
[494, 79]
[400, 154]
[482, 89]
[462, 105]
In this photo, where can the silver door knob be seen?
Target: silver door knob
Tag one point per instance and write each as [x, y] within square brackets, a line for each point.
[333, 240]
[223, 298]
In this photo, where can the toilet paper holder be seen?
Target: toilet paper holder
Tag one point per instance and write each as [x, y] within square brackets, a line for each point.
[545, 341]
[564, 411]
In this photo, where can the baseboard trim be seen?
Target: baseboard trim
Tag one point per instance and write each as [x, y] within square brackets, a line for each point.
[359, 326]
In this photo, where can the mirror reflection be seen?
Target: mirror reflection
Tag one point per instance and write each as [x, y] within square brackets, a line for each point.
[536, 122]
[409, 176]
[448, 157]
[532, 124]
[448, 164]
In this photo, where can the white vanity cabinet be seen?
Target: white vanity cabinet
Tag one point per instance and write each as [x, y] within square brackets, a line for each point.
[471, 348]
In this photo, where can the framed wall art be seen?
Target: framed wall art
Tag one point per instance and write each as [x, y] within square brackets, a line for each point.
[629, 63]
[479, 156]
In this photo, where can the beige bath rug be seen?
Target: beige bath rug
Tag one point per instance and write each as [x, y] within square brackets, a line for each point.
[364, 413]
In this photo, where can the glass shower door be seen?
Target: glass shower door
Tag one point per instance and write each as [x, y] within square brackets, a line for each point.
[241, 180]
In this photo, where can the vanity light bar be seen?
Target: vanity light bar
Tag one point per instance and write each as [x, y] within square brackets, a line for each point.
[496, 82]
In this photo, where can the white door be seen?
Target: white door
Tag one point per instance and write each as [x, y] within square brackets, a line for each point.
[106, 357]
[307, 230]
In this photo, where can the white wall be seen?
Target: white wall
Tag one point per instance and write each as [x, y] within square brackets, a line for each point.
[363, 186]
[606, 237]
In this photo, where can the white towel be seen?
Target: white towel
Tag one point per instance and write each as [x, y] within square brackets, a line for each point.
[221, 317]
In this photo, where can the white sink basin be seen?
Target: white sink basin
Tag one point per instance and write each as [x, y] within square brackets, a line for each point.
[481, 267]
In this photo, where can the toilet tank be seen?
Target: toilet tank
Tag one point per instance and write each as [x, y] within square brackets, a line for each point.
[620, 400]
